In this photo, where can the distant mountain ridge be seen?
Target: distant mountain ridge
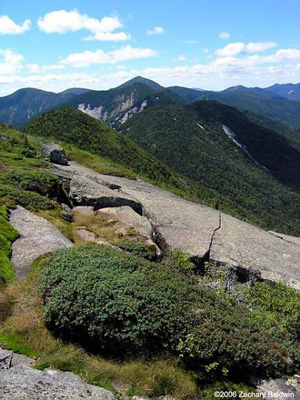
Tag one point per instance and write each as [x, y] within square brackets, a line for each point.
[116, 105]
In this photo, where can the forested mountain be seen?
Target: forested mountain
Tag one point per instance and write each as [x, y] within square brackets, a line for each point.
[253, 171]
[115, 106]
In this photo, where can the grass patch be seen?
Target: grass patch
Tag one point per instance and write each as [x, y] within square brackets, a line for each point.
[7, 235]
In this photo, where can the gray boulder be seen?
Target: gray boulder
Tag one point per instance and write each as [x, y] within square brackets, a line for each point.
[37, 237]
[24, 383]
[54, 153]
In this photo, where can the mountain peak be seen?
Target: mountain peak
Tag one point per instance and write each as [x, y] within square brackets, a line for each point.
[140, 79]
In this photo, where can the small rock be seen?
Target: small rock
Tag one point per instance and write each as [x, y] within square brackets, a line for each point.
[87, 236]
[86, 211]
[5, 359]
[66, 213]
[19, 359]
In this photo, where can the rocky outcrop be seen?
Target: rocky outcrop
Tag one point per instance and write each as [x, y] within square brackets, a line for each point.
[86, 192]
[203, 232]
[54, 153]
[131, 219]
[23, 383]
[37, 237]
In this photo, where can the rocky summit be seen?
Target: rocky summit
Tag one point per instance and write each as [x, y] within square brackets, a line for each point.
[202, 232]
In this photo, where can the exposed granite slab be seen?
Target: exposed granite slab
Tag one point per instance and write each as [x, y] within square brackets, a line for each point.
[202, 232]
[287, 238]
[37, 237]
[238, 244]
[177, 223]
[23, 383]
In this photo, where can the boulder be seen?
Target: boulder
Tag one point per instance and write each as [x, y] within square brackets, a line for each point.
[127, 216]
[23, 383]
[87, 236]
[37, 237]
[54, 153]
[85, 211]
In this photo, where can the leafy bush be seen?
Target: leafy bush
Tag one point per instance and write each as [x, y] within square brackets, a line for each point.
[138, 249]
[228, 338]
[7, 235]
[181, 261]
[34, 180]
[11, 196]
[117, 302]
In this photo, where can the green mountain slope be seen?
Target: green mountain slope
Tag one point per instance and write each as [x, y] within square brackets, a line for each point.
[282, 110]
[191, 140]
[289, 90]
[71, 126]
[25, 104]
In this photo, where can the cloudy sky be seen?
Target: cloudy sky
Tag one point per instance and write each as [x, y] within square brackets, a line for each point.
[210, 44]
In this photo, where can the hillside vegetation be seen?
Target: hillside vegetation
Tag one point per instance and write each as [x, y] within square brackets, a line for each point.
[191, 141]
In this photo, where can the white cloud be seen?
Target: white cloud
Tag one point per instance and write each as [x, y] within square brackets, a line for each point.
[10, 62]
[224, 35]
[233, 49]
[63, 21]
[157, 30]
[88, 57]
[251, 70]
[180, 58]
[9, 27]
[190, 41]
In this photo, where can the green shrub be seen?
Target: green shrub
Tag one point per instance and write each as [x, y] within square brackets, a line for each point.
[228, 338]
[7, 235]
[138, 249]
[118, 302]
[11, 196]
[181, 262]
[34, 180]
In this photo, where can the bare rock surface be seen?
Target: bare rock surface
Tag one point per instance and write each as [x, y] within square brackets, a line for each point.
[202, 232]
[127, 216]
[86, 211]
[37, 237]
[288, 238]
[238, 244]
[280, 388]
[20, 359]
[86, 192]
[23, 383]
[177, 223]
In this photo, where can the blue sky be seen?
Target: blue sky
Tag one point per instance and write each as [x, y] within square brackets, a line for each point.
[210, 44]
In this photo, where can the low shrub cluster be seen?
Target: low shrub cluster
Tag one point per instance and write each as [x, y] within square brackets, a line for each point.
[119, 304]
